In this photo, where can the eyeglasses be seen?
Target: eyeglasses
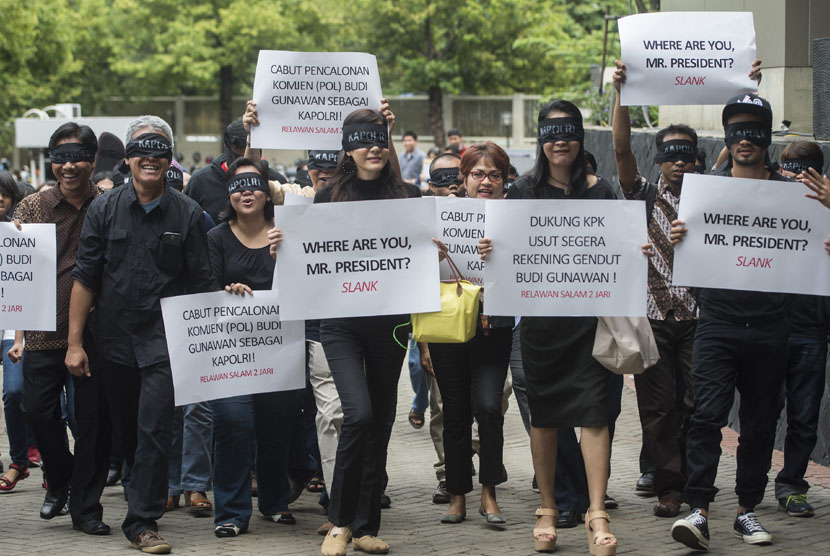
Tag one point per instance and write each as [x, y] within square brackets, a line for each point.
[478, 175]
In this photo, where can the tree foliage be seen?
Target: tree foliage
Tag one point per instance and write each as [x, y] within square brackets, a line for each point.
[88, 50]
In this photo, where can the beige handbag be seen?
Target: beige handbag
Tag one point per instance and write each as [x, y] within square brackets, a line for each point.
[625, 345]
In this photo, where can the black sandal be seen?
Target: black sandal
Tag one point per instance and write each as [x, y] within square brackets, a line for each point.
[316, 485]
[416, 419]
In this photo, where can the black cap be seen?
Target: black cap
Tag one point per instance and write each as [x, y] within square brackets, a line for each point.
[110, 152]
[322, 160]
[748, 103]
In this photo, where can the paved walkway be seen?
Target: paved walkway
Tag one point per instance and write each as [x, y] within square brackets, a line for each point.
[411, 525]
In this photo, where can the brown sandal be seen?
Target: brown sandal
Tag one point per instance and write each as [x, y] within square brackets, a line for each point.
[595, 538]
[541, 544]
[172, 503]
[199, 505]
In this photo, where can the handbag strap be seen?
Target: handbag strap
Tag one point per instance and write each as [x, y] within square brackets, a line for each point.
[458, 276]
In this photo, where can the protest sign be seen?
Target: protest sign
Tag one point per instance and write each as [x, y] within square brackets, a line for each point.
[566, 258]
[757, 235]
[686, 57]
[358, 259]
[303, 97]
[292, 199]
[224, 345]
[28, 266]
[460, 226]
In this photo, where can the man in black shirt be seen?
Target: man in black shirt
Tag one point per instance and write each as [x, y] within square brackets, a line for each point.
[740, 342]
[207, 185]
[139, 243]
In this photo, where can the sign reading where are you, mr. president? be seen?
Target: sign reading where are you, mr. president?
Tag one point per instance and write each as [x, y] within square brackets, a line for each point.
[357, 259]
[757, 235]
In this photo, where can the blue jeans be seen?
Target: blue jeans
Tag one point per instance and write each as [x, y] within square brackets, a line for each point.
[419, 381]
[268, 418]
[806, 364]
[190, 455]
[15, 420]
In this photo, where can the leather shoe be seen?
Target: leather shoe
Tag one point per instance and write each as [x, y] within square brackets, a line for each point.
[645, 484]
[441, 494]
[568, 520]
[53, 503]
[667, 507]
[113, 475]
[91, 527]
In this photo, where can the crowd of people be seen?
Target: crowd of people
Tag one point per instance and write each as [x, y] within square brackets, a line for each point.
[132, 227]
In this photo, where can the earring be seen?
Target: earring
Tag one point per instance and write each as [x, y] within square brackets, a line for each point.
[349, 167]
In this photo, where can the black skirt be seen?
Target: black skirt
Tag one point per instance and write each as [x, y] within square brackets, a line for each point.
[566, 386]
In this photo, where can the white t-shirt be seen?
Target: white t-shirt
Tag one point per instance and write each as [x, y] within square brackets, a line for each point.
[8, 335]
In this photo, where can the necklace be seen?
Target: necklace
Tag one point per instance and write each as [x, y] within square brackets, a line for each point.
[567, 186]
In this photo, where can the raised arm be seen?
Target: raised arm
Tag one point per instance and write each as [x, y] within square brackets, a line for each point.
[621, 135]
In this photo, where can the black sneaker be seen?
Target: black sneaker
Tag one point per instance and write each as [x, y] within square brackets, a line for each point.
[796, 505]
[748, 528]
[692, 530]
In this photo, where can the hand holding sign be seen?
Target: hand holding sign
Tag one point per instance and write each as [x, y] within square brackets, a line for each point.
[303, 97]
[687, 57]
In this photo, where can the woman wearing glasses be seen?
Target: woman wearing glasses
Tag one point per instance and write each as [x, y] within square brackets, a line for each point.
[566, 386]
[471, 375]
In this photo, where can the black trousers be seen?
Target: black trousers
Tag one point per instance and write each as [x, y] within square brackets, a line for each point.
[471, 380]
[142, 408]
[365, 364]
[751, 357]
[663, 419]
[85, 472]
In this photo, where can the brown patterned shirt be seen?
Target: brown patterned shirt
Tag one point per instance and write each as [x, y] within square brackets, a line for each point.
[663, 296]
[50, 207]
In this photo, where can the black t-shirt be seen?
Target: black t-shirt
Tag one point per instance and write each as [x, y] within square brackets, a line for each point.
[367, 191]
[745, 306]
[232, 262]
[523, 189]
[808, 318]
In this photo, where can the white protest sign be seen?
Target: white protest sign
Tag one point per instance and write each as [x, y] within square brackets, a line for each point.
[686, 57]
[566, 258]
[28, 270]
[358, 259]
[757, 235]
[303, 97]
[224, 345]
[460, 226]
[292, 199]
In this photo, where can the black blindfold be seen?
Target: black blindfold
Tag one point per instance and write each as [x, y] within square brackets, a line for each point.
[552, 130]
[756, 133]
[71, 152]
[798, 165]
[676, 149]
[443, 177]
[149, 145]
[248, 181]
[365, 136]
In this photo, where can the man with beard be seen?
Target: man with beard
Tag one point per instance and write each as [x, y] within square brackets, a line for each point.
[140, 243]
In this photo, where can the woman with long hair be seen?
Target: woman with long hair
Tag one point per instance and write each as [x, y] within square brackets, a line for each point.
[241, 261]
[362, 352]
[566, 386]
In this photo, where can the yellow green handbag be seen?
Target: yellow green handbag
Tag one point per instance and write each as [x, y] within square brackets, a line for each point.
[456, 322]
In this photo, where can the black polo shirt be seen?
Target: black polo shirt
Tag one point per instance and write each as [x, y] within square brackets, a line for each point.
[123, 259]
